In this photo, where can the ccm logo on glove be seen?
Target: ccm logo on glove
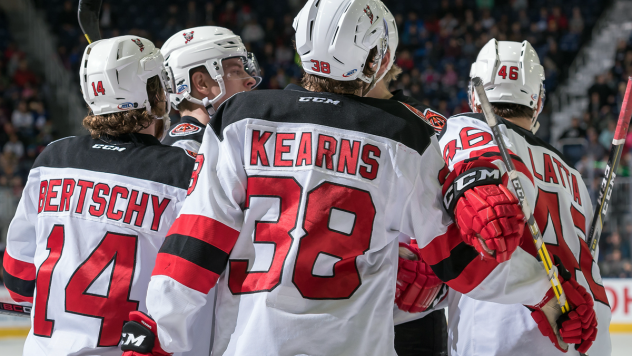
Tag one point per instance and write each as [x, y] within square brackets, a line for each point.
[134, 340]
[468, 180]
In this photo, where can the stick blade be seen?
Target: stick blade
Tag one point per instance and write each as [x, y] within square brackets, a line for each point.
[88, 14]
[625, 114]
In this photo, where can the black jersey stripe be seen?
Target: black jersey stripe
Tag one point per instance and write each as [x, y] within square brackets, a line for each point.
[196, 251]
[450, 268]
[19, 286]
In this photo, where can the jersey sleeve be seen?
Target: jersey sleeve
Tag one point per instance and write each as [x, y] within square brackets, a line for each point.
[466, 144]
[196, 249]
[18, 262]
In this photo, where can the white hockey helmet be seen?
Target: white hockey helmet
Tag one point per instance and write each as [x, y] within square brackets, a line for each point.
[511, 73]
[393, 37]
[114, 74]
[334, 37]
[207, 46]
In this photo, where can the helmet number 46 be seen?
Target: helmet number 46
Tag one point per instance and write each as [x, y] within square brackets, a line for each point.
[98, 88]
[513, 72]
[321, 66]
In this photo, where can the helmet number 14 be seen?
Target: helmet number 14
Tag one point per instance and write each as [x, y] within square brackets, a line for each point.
[98, 88]
[513, 72]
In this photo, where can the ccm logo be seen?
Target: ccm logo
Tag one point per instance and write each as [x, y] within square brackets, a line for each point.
[468, 180]
[109, 147]
[131, 339]
[316, 99]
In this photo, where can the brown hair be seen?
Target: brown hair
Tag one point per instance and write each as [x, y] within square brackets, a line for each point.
[512, 111]
[185, 104]
[322, 84]
[392, 74]
[125, 122]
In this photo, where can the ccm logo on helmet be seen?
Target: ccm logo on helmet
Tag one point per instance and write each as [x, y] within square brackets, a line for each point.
[316, 99]
[468, 180]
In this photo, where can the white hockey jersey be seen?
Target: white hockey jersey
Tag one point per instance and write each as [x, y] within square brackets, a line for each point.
[562, 208]
[295, 206]
[83, 242]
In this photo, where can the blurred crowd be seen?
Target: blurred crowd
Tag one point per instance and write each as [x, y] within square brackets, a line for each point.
[25, 128]
[438, 39]
[587, 144]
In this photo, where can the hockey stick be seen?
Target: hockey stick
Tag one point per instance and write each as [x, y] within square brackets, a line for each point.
[542, 255]
[605, 190]
[15, 310]
[88, 13]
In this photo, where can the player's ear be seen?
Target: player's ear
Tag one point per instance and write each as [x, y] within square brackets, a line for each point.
[199, 83]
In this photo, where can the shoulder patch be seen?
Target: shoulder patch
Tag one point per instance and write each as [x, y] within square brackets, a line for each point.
[435, 119]
[184, 129]
[191, 153]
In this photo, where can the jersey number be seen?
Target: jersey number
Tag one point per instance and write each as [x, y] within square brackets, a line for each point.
[98, 88]
[322, 203]
[321, 66]
[116, 250]
[199, 162]
[547, 207]
[513, 72]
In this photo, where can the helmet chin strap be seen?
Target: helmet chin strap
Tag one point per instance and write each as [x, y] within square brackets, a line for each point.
[206, 102]
[374, 80]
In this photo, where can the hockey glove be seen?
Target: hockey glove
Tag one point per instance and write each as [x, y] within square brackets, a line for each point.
[490, 220]
[579, 326]
[140, 336]
[417, 285]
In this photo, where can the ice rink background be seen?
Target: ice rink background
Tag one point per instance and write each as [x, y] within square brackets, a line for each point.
[621, 345]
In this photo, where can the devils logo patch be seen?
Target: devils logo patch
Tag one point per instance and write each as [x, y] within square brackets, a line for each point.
[184, 129]
[435, 119]
[188, 37]
[139, 43]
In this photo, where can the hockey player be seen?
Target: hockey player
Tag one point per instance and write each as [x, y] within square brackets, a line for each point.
[513, 79]
[209, 64]
[296, 205]
[96, 208]
[420, 329]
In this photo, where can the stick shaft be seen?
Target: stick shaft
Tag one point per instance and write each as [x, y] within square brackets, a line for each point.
[542, 255]
[605, 189]
[88, 15]
[15, 310]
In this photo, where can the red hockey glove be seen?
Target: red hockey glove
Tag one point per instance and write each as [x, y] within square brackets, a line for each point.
[490, 220]
[140, 336]
[579, 326]
[417, 285]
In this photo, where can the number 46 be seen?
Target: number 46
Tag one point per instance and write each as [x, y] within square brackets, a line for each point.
[513, 73]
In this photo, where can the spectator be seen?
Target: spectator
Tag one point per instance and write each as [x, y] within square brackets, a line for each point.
[575, 131]
[595, 150]
[22, 119]
[606, 136]
[252, 32]
[14, 146]
[23, 74]
[576, 24]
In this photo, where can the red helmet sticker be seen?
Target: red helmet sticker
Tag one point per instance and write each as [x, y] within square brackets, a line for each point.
[188, 36]
[184, 129]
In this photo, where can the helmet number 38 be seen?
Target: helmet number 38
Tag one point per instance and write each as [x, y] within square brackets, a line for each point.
[513, 72]
[98, 88]
[321, 66]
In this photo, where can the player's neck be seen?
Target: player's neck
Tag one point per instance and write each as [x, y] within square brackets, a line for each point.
[380, 91]
[523, 122]
[199, 113]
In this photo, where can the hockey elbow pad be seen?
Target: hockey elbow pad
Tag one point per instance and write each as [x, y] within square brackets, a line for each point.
[579, 325]
[140, 336]
[486, 212]
[417, 285]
